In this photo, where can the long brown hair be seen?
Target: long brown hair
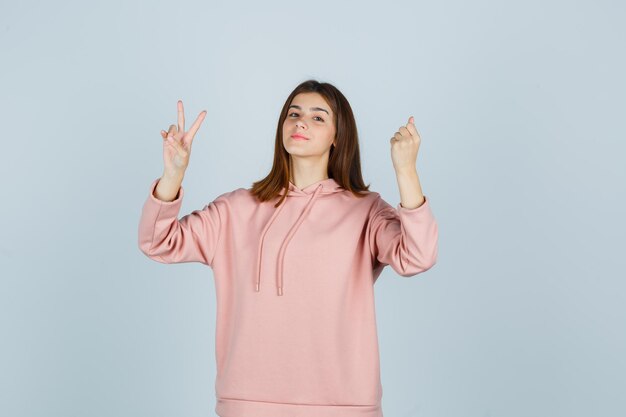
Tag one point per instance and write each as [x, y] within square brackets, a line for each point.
[344, 164]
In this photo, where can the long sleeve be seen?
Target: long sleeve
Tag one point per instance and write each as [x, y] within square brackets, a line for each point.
[406, 239]
[166, 239]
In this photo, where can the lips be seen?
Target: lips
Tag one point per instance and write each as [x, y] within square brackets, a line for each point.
[300, 137]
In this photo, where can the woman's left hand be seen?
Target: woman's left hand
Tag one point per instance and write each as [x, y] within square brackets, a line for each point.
[404, 146]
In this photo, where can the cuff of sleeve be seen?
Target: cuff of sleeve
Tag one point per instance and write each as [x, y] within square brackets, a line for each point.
[177, 200]
[423, 207]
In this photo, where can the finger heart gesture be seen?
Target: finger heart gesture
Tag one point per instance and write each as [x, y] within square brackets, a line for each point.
[405, 144]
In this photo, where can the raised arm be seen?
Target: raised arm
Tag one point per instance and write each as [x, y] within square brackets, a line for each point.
[194, 238]
[405, 239]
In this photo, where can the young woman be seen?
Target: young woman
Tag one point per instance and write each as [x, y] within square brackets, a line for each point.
[295, 258]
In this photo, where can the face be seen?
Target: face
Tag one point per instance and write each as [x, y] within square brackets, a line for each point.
[310, 116]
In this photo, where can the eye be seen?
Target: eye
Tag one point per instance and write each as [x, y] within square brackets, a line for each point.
[290, 114]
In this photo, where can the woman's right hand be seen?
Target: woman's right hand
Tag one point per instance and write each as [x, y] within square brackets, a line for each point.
[177, 143]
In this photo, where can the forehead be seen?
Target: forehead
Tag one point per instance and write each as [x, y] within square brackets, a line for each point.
[307, 101]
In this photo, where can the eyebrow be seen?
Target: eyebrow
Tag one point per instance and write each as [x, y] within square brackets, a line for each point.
[312, 108]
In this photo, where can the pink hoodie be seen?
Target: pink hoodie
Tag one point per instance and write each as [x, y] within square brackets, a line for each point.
[296, 327]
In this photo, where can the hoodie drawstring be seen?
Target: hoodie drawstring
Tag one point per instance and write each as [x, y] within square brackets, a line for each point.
[283, 246]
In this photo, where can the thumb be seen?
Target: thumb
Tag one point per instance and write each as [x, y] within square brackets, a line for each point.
[174, 143]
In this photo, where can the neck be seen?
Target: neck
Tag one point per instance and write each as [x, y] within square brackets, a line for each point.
[304, 173]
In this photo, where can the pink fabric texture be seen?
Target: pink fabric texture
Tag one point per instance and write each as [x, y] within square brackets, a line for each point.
[296, 327]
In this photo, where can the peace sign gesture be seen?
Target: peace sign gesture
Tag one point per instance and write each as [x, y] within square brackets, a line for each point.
[177, 143]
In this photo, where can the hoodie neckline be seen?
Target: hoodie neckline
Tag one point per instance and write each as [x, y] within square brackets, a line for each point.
[312, 191]
[328, 185]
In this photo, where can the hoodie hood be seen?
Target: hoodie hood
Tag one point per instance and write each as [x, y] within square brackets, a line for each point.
[312, 192]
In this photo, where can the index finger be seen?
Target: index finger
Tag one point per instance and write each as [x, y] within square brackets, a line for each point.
[411, 128]
[196, 125]
[181, 117]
